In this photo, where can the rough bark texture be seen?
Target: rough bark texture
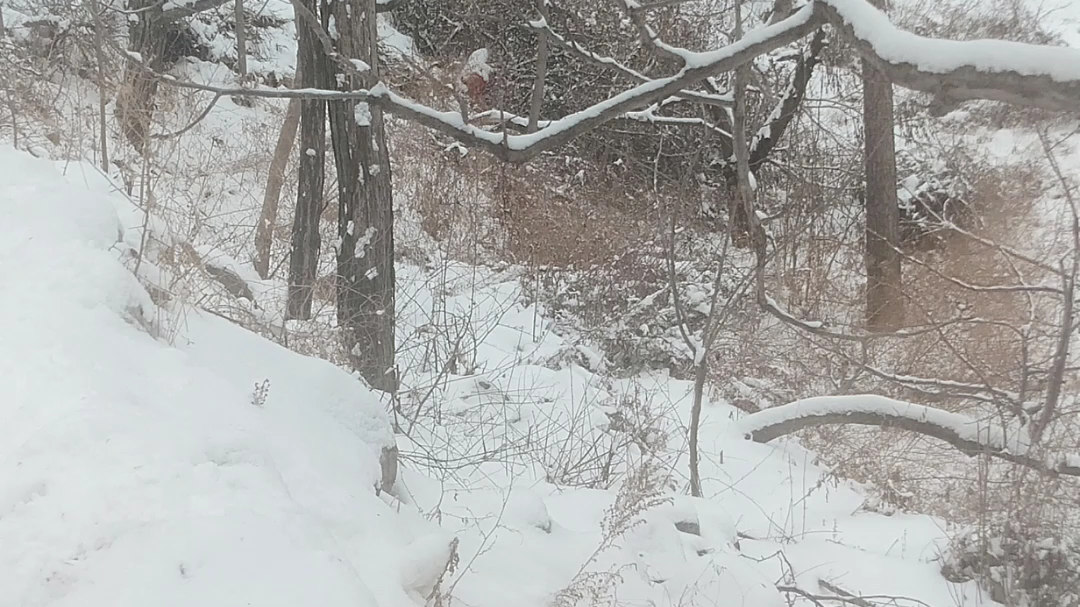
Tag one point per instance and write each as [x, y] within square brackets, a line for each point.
[365, 262]
[884, 303]
[304, 255]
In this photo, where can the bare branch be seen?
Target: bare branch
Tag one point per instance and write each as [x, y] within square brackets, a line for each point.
[610, 63]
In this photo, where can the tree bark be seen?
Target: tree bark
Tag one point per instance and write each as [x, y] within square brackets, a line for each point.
[884, 302]
[239, 23]
[304, 255]
[99, 50]
[147, 34]
[275, 179]
[537, 102]
[365, 262]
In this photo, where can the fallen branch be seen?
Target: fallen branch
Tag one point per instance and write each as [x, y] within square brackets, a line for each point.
[969, 436]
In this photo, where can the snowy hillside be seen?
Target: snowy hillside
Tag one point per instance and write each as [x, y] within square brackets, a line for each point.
[136, 471]
[150, 463]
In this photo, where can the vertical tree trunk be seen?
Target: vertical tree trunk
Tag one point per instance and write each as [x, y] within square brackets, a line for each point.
[147, 34]
[884, 303]
[239, 23]
[304, 255]
[537, 101]
[99, 49]
[365, 263]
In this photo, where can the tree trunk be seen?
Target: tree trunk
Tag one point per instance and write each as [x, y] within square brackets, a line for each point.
[304, 255]
[147, 34]
[99, 50]
[365, 263]
[537, 102]
[264, 231]
[239, 23]
[884, 303]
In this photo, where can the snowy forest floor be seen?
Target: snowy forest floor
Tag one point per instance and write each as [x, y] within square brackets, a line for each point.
[155, 450]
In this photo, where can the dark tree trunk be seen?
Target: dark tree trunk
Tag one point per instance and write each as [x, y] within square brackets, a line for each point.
[884, 303]
[304, 255]
[365, 262]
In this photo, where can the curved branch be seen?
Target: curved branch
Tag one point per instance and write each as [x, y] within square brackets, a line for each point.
[969, 436]
[1020, 74]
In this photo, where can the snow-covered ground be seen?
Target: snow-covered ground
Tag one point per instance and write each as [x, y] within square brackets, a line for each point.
[161, 455]
[145, 466]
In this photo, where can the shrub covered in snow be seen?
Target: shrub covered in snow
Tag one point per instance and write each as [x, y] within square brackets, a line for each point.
[1018, 565]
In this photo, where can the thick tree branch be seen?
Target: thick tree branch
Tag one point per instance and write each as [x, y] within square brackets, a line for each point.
[969, 436]
[1021, 74]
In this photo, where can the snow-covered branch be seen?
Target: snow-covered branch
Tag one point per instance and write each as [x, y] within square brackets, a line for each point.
[997, 70]
[1023, 74]
[972, 437]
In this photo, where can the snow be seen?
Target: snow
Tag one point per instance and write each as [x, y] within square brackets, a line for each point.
[139, 465]
[940, 56]
[137, 471]
[477, 64]
[362, 113]
[138, 468]
[964, 427]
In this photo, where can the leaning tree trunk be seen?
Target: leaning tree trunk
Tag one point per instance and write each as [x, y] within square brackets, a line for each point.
[365, 263]
[313, 69]
[884, 303]
[275, 179]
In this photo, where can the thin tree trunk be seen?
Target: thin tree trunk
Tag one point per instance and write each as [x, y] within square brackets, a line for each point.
[264, 231]
[239, 23]
[99, 48]
[304, 254]
[884, 303]
[365, 264]
[537, 102]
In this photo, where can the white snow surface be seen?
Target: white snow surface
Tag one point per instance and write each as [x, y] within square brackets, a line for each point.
[134, 471]
[142, 470]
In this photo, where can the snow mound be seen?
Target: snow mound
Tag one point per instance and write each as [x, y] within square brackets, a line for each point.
[146, 469]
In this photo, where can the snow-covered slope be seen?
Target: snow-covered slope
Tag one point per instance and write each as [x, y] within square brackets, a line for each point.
[134, 471]
[140, 464]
